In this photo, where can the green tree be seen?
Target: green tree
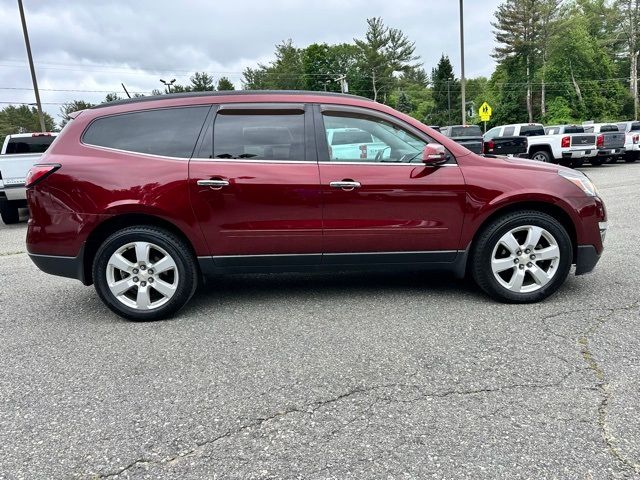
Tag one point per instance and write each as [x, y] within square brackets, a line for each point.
[404, 103]
[284, 73]
[22, 119]
[225, 84]
[446, 93]
[70, 107]
[383, 51]
[201, 82]
[111, 97]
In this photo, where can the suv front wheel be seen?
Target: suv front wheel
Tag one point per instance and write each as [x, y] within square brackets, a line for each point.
[522, 257]
[144, 273]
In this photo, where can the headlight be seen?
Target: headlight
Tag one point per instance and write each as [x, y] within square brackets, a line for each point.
[580, 180]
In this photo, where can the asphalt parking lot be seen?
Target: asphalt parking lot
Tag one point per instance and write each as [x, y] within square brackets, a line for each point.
[321, 376]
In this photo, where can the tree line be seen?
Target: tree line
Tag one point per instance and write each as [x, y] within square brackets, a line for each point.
[557, 61]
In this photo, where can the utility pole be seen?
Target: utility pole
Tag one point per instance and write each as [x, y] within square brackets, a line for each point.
[344, 86]
[462, 78]
[33, 70]
[449, 100]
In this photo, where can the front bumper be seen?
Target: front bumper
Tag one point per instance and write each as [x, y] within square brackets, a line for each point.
[587, 258]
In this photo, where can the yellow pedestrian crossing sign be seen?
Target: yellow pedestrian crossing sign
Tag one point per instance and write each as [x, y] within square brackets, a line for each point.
[485, 112]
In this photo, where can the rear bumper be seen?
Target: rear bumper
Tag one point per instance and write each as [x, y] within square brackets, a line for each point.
[15, 192]
[587, 258]
[585, 153]
[609, 152]
[69, 267]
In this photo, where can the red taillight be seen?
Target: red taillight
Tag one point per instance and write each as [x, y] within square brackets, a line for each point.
[636, 138]
[600, 141]
[566, 142]
[489, 145]
[37, 173]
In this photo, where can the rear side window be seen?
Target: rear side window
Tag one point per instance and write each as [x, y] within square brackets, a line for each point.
[531, 130]
[259, 136]
[170, 132]
[35, 144]
[508, 131]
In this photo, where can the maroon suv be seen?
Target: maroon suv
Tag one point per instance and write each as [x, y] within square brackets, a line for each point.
[145, 197]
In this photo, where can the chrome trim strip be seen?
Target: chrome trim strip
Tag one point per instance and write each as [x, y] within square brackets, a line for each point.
[237, 160]
[413, 252]
[109, 149]
[390, 164]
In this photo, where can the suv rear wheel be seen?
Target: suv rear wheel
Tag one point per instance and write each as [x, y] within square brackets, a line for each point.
[522, 257]
[144, 273]
[541, 156]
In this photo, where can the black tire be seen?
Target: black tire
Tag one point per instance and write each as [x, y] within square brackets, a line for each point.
[186, 265]
[630, 157]
[542, 156]
[577, 163]
[480, 261]
[596, 161]
[9, 212]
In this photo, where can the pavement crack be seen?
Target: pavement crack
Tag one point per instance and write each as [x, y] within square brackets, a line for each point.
[10, 254]
[603, 385]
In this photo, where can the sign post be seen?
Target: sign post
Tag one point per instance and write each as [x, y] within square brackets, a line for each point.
[485, 112]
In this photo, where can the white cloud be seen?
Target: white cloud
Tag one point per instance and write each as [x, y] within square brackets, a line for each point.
[86, 45]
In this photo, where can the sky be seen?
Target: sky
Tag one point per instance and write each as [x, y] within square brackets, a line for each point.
[84, 49]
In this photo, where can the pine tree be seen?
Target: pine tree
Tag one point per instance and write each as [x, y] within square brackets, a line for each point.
[404, 104]
[446, 92]
[201, 82]
[225, 84]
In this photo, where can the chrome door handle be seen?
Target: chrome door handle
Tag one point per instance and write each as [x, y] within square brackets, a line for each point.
[345, 185]
[214, 184]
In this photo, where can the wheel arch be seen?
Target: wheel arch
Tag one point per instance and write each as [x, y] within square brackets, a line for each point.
[542, 148]
[550, 209]
[118, 222]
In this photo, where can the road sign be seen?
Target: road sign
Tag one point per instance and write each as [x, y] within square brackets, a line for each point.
[485, 112]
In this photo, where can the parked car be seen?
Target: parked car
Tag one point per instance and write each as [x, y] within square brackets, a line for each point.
[145, 197]
[354, 143]
[19, 152]
[469, 136]
[576, 145]
[495, 144]
[540, 146]
[632, 140]
[609, 140]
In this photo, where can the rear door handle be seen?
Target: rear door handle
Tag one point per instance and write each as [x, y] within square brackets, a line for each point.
[347, 185]
[213, 184]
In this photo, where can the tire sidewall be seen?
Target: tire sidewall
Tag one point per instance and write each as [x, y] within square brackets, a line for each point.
[542, 153]
[187, 277]
[497, 230]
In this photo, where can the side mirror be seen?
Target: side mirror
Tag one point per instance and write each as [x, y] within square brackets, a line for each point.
[434, 154]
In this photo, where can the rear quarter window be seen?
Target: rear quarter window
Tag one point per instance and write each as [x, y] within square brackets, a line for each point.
[169, 132]
[531, 130]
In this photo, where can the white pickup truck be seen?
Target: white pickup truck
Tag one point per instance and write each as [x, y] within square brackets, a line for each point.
[632, 140]
[19, 153]
[566, 144]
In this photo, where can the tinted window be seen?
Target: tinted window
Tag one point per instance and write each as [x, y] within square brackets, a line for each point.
[531, 130]
[37, 144]
[170, 132]
[349, 136]
[259, 136]
[509, 131]
[608, 128]
[385, 142]
[469, 131]
[573, 129]
[635, 127]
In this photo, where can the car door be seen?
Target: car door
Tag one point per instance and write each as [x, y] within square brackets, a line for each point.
[386, 206]
[254, 186]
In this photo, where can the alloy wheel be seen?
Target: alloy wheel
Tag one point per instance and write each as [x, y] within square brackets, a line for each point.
[142, 275]
[525, 259]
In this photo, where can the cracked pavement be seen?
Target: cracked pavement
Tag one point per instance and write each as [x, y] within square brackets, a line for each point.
[328, 376]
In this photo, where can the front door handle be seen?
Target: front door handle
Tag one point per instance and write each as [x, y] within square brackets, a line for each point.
[213, 183]
[346, 185]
